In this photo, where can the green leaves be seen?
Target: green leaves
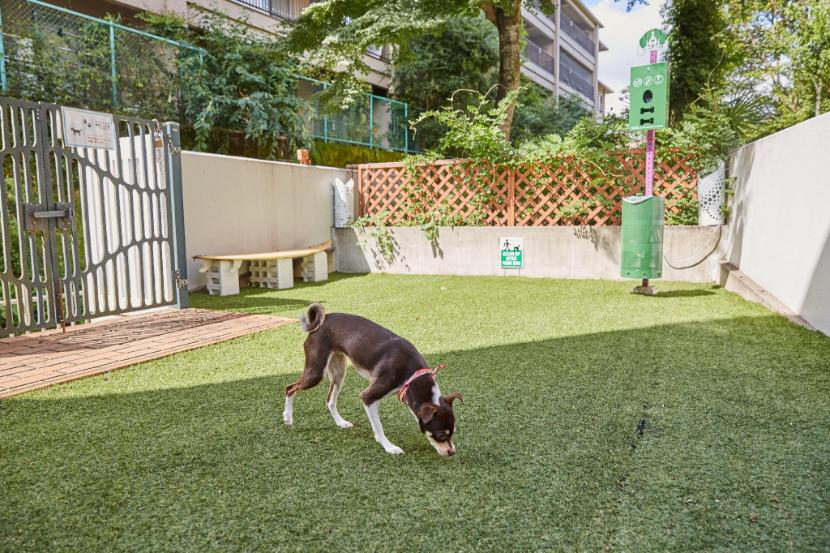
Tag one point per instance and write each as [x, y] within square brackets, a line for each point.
[337, 33]
[474, 130]
[334, 35]
[539, 114]
[462, 53]
[697, 50]
[240, 94]
[335, 154]
[757, 65]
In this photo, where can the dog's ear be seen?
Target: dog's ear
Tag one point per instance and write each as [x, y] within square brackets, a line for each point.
[449, 398]
[426, 412]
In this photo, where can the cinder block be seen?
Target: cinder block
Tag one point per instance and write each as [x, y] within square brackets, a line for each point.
[228, 278]
[285, 274]
[316, 267]
[275, 273]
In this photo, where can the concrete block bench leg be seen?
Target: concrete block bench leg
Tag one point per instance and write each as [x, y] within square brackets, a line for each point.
[272, 273]
[316, 267]
[222, 277]
[285, 273]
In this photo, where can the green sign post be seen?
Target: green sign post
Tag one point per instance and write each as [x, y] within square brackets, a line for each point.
[642, 222]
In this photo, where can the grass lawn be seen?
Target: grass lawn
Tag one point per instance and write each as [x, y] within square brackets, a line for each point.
[594, 420]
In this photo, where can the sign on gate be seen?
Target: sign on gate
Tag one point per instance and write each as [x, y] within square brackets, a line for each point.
[88, 129]
[511, 252]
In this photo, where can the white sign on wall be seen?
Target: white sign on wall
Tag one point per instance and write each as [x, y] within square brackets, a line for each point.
[88, 129]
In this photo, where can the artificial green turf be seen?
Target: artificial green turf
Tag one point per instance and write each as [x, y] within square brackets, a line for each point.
[189, 453]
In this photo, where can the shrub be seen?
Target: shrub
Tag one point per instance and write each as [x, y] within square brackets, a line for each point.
[335, 154]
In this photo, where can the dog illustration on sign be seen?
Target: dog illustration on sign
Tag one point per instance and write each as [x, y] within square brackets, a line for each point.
[77, 132]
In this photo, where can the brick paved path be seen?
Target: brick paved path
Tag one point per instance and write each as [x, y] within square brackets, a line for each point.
[39, 360]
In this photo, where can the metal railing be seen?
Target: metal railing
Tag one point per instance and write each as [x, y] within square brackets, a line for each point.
[378, 52]
[55, 54]
[573, 74]
[537, 55]
[577, 33]
[284, 9]
[376, 122]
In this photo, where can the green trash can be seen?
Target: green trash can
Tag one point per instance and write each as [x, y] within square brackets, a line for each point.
[642, 237]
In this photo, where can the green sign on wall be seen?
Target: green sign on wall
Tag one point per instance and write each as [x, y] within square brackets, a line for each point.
[649, 91]
[511, 252]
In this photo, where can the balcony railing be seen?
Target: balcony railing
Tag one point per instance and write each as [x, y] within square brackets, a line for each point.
[536, 6]
[378, 52]
[573, 74]
[577, 33]
[537, 55]
[284, 9]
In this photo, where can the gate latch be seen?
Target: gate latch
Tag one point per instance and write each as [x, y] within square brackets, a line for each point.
[38, 215]
[180, 282]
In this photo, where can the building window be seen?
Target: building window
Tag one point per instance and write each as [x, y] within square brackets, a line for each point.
[576, 75]
[578, 34]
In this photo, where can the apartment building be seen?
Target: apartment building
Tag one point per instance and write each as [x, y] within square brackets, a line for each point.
[562, 52]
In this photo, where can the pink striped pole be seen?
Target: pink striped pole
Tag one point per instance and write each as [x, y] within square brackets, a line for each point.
[652, 58]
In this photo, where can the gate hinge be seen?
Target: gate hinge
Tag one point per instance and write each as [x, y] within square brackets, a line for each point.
[180, 282]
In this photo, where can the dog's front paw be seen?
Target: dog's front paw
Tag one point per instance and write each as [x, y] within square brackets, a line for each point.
[392, 449]
[344, 424]
[288, 418]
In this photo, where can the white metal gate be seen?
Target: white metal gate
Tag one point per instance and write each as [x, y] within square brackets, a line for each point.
[87, 232]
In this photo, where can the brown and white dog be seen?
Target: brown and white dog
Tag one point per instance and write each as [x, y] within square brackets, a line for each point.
[389, 362]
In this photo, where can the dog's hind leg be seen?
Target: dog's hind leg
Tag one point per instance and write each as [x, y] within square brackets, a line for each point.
[316, 360]
[337, 372]
[371, 397]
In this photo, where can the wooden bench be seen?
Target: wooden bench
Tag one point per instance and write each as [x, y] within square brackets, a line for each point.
[268, 270]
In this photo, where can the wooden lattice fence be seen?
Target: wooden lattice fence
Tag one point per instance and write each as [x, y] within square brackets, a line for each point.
[568, 191]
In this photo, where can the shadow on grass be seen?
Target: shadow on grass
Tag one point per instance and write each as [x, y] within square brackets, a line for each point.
[254, 299]
[248, 302]
[683, 293]
[587, 442]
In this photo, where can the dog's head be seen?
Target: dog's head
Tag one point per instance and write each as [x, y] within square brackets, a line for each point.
[438, 423]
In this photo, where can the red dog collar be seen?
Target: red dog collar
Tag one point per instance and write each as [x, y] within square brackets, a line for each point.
[418, 373]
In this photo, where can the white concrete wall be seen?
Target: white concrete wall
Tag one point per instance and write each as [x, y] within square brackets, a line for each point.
[779, 229]
[241, 205]
[690, 253]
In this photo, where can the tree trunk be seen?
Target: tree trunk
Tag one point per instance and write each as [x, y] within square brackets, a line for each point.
[817, 83]
[508, 22]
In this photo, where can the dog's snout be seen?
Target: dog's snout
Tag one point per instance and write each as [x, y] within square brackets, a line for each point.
[444, 449]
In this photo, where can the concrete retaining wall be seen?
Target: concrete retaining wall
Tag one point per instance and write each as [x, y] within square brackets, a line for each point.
[690, 253]
[779, 229]
[242, 205]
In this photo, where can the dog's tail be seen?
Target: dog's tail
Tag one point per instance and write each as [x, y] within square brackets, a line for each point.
[313, 320]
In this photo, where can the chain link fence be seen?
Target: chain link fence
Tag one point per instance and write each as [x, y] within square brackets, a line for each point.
[49, 53]
[375, 121]
[56, 55]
